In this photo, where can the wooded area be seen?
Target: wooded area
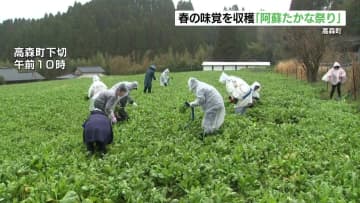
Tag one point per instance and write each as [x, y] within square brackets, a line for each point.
[124, 36]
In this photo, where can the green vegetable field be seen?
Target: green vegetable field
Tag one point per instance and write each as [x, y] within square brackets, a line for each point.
[292, 147]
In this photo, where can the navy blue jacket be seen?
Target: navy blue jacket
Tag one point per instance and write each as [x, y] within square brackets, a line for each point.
[98, 128]
[149, 76]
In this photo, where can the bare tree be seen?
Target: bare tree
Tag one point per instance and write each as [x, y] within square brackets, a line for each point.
[308, 46]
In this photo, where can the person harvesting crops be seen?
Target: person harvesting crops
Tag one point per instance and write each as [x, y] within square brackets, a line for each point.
[96, 87]
[97, 132]
[105, 101]
[211, 102]
[335, 76]
[256, 92]
[149, 76]
[97, 129]
[240, 93]
[121, 114]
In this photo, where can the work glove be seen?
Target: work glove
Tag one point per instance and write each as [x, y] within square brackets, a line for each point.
[233, 100]
[113, 118]
[187, 104]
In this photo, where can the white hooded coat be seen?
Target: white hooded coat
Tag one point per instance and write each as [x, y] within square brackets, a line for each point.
[211, 103]
[237, 88]
[334, 76]
[96, 87]
[165, 77]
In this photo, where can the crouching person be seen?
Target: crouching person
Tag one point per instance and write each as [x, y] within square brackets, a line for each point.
[96, 87]
[106, 101]
[256, 93]
[211, 102]
[120, 112]
[240, 93]
[97, 132]
[98, 127]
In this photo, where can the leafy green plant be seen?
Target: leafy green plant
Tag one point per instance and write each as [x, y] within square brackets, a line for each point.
[290, 147]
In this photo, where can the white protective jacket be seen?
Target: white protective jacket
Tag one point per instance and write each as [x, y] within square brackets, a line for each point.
[165, 77]
[237, 88]
[96, 87]
[211, 103]
[334, 76]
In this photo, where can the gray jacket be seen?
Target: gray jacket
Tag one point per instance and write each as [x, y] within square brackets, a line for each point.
[130, 86]
[106, 101]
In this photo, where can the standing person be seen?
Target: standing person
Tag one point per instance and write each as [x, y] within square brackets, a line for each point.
[336, 76]
[97, 132]
[105, 101]
[149, 76]
[240, 93]
[121, 114]
[165, 78]
[211, 102]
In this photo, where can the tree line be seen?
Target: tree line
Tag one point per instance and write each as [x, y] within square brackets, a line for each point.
[124, 35]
